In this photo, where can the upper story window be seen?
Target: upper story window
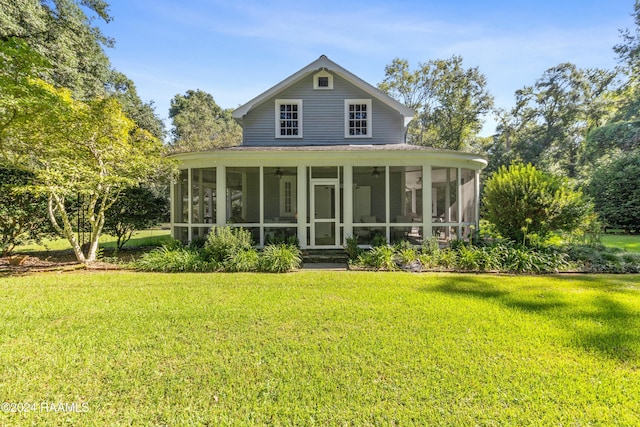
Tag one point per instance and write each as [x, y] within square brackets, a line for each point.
[288, 118]
[323, 80]
[357, 118]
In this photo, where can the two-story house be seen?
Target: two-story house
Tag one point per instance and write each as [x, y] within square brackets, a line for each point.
[324, 158]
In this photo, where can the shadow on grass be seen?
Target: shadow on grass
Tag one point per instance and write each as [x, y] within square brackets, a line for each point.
[600, 324]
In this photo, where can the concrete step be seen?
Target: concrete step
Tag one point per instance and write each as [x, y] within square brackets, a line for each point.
[325, 256]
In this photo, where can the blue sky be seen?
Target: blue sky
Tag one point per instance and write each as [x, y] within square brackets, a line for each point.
[235, 50]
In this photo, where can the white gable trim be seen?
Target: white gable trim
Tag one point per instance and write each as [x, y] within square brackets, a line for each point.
[324, 63]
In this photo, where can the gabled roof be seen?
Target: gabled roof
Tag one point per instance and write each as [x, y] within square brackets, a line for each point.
[325, 63]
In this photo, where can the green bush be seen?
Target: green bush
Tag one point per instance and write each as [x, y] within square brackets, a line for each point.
[174, 259]
[378, 257]
[602, 259]
[407, 255]
[244, 260]
[615, 188]
[474, 258]
[223, 242]
[279, 258]
[522, 201]
[352, 249]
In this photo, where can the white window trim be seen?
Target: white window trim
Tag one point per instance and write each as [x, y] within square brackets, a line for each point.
[348, 102]
[292, 180]
[280, 102]
[323, 73]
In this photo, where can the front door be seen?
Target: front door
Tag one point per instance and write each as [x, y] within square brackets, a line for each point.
[324, 206]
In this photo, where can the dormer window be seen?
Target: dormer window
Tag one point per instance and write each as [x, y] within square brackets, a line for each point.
[323, 80]
[288, 118]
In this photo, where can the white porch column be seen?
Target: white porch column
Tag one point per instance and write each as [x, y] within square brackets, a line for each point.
[387, 207]
[302, 206]
[173, 205]
[190, 206]
[459, 201]
[476, 200]
[221, 195]
[261, 197]
[347, 203]
[427, 202]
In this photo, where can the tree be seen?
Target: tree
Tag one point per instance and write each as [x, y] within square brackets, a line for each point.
[201, 124]
[21, 213]
[61, 31]
[615, 188]
[522, 201]
[629, 55]
[137, 208]
[449, 99]
[611, 140]
[89, 151]
[124, 90]
[550, 120]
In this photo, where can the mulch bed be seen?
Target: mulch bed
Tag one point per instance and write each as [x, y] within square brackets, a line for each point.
[60, 261]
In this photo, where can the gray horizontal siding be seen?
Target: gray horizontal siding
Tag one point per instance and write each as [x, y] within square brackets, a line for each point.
[323, 117]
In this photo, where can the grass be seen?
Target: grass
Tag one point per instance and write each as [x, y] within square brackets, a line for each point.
[321, 348]
[154, 237]
[628, 243]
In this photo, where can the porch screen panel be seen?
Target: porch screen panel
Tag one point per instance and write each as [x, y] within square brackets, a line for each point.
[405, 192]
[369, 194]
[468, 187]
[444, 194]
[203, 195]
[181, 195]
[243, 195]
[280, 195]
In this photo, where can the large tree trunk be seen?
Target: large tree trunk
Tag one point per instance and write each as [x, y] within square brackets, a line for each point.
[66, 230]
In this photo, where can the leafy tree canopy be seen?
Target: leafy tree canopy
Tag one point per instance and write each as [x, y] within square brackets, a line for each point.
[124, 90]
[550, 121]
[615, 188]
[21, 213]
[450, 100]
[62, 32]
[201, 124]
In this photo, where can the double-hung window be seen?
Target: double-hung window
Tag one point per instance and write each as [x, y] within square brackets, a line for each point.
[288, 118]
[357, 118]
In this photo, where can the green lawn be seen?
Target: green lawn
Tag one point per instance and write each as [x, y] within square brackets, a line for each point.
[321, 348]
[627, 243]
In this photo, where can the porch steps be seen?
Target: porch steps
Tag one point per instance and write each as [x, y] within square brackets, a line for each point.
[324, 256]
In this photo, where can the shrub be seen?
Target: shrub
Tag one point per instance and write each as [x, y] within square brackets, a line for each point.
[615, 188]
[407, 255]
[379, 240]
[226, 241]
[601, 259]
[430, 246]
[379, 257]
[244, 260]
[520, 259]
[352, 249]
[474, 258]
[522, 201]
[279, 258]
[174, 259]
[23, 215]
[137, 208]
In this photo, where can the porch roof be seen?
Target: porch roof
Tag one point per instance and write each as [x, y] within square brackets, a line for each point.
[345, 154]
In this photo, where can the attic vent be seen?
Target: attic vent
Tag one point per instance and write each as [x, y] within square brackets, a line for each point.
[323, 80]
